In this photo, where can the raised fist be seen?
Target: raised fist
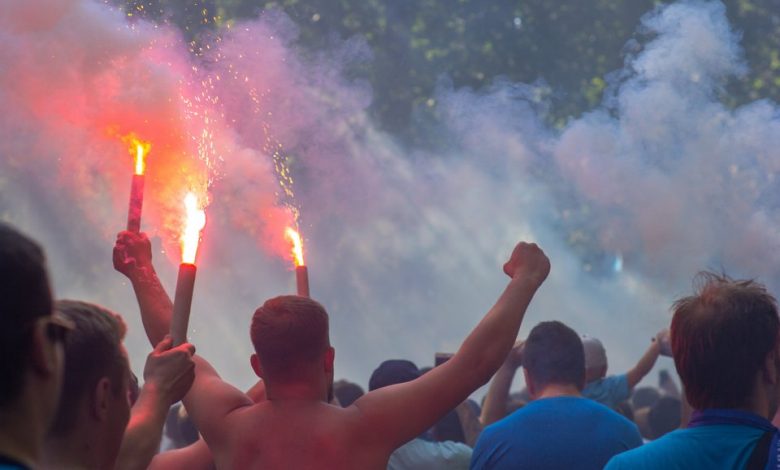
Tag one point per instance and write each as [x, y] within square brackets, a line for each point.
[132, 252]
[529, 262]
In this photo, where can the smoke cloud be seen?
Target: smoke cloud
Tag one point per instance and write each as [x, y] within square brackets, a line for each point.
[404, 245]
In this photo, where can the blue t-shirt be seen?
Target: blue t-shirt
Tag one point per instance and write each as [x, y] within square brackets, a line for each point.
[707, 447]
[609, 391]
[555, 433]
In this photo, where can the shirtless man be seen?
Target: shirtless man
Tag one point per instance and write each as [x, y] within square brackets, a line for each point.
[295, 427]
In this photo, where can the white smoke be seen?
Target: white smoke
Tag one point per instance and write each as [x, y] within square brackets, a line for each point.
[405, 246]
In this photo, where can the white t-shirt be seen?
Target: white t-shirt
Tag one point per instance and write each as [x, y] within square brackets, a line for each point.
[419, 454]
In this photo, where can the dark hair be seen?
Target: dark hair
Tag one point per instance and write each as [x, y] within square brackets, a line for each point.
[347, 392]
[392, 372]
[721, 336]
[644, 396]
[664, 416]
[179, 427]
[449, 428]
[93, 350]
[289, 331]
[25, 296]
[553, 354]
[624, 408]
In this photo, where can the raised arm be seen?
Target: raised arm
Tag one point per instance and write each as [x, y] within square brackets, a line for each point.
[210, 399]
[497, 397]
[133, 258]
[396, 414]
[168, 374]
[648, 359]
[197, 456]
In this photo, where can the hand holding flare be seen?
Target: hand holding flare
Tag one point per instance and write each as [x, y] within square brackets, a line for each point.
[185, 283]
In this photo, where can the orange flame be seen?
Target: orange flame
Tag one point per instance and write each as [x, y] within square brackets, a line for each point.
[139, 149]
[297, 249]
[196, 220]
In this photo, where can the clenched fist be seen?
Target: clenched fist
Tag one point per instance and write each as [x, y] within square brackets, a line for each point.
[528, 262]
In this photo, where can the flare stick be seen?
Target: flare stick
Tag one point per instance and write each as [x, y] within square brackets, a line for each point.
[302, 279]
[136, 204]
[182, 302]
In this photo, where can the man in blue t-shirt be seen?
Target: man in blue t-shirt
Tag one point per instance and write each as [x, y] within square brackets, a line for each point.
[559, 428]
[614, 389]
[726, 350]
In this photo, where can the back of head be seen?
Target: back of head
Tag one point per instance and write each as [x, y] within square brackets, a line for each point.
[664, 416]
[595, 357]
[721, 337]
[392, 372]
[644, 397]
[347, 392]
[93, 350]
[289, 332]
[553, 354]
[25, 296]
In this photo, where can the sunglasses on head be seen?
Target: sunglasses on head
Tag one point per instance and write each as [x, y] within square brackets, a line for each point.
[58, 326]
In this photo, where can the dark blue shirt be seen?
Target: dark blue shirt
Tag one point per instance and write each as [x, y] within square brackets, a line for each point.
[555, 433]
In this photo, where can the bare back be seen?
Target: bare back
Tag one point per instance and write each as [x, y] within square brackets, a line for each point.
[297, 434]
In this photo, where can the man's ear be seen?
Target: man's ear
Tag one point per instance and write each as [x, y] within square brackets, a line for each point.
[529, 383]
[101, 397]
[330, 359]
[255, 361]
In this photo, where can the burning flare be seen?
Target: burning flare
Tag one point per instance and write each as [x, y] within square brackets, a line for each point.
[139, 149]
[196, 220]
[297, 249]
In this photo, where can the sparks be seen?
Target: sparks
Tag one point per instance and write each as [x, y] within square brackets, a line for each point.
[297, 248]
[196, 220]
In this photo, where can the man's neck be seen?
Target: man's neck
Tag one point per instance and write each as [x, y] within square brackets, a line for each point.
[21, 431]
[65, 452]
[558, 390]
[72, 450]
[300, 391]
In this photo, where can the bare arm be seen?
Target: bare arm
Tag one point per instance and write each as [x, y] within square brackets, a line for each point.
[497, 397]
[196, 456]
[210, 399]
[405, 410]
[647, 361]
[168, 375]
[133, 258]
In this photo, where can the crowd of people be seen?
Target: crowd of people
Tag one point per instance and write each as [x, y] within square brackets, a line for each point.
[68, 398]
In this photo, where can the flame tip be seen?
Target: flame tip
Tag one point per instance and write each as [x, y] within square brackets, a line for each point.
[194, 222]
[297, 248]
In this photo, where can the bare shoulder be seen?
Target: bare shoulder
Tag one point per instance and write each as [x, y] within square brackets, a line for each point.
[297, 435]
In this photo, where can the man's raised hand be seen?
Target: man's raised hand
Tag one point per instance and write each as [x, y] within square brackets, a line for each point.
[132, 252]
[515, 357]
[528, 262]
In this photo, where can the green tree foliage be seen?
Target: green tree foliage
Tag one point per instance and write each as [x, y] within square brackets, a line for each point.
[570, 46]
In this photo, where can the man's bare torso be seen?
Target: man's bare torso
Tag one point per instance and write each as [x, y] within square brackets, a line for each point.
[297, 434]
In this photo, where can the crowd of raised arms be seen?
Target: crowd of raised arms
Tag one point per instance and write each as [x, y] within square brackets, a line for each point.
[68, 398]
